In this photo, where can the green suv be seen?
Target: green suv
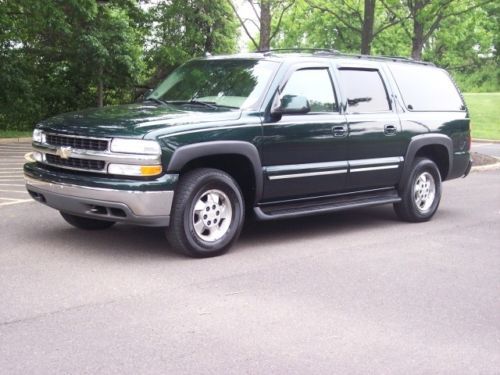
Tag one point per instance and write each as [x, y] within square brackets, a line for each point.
[279, 134]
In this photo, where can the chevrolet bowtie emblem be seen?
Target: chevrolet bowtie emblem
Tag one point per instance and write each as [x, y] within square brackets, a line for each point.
[63, 152]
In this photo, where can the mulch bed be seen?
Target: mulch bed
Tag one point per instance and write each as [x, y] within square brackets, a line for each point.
[481, 159]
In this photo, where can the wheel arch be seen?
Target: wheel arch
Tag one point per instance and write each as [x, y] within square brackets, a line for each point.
[215, 154]
[437, 147]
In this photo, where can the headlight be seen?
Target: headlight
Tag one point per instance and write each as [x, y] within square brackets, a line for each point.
[135, 146]
[134, 170]
[38, 136]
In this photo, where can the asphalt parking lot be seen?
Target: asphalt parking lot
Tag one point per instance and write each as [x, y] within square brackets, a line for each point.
[349, 293]
[12, 189]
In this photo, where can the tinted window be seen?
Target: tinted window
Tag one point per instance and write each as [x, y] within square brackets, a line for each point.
[426, 88]
[365, 91]
[234, 83]
[316, 86]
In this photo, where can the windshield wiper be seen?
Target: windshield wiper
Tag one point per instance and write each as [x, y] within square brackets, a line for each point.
[210, 105]
[157, 101]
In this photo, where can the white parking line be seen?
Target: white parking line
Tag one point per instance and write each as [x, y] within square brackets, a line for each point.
[14, 191]
[10, 184]
[16, 202]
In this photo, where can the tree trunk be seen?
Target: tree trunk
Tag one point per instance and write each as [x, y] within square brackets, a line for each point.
[265, 25]
[417, 40]
[100, 88]
[367, 31]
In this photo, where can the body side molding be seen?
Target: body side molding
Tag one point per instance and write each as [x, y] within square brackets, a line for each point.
[420, 141]
[185, 154]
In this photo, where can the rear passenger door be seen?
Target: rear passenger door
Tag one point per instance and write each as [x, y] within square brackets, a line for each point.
[375, 139]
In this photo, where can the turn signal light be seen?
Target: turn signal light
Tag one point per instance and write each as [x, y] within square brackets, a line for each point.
[134, 170]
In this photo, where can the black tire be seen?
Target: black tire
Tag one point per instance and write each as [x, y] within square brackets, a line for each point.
[408, 209]
[193, 187]
[86, 223]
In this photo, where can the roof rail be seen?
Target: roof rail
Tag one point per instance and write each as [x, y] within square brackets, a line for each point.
[387, 58]
[270, 51]
[334, 52]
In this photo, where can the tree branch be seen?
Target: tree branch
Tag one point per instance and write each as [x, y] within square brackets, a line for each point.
[243, 24]
[323, 9]
[397, 16]
[280, 18]
[257, 14]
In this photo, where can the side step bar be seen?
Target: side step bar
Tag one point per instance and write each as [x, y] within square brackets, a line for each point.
[317, 206]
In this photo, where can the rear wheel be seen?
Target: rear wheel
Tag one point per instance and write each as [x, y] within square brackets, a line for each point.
[207, 215]
[421, 193]
[85, 222]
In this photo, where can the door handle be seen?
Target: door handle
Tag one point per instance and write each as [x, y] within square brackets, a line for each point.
[390, 130]
[339, 130]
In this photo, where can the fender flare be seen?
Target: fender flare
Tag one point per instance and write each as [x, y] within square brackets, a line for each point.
[420, 141]
[185, 154]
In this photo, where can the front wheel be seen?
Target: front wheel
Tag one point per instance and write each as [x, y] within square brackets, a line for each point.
[85, 222]
[421, 193]
[207, 214]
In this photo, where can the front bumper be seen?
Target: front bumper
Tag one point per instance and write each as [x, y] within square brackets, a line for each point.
[141, 207]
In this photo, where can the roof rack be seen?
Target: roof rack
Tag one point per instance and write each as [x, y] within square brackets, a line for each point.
[334, 52]
[310, 50]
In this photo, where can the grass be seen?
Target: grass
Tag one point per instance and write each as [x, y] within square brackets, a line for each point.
[14, 134]
[485, 114]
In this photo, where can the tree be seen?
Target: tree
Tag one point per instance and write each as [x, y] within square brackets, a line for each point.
[269, 15]
[426, 16]
[346, 25]
[183, 29]
[62, 55]
[361, 20]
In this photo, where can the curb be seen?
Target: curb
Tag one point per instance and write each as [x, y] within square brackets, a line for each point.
[481, 140]
[488, 167]
[15, 140]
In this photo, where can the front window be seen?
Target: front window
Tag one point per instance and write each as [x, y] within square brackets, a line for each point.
[231, 83]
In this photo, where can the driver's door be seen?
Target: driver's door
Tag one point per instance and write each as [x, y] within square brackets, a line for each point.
[306, 154]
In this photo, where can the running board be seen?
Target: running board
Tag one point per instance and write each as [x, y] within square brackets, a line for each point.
[317, 206]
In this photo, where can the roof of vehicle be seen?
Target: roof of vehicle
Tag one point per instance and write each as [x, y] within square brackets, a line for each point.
[298, 53]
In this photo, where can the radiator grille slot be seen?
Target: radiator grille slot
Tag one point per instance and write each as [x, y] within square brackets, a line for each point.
[79, 143]
[90, 165]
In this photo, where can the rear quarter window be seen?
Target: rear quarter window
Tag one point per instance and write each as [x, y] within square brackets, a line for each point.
[426, 88]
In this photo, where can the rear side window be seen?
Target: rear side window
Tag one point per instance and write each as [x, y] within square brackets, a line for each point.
[426, 88]
[365, 91]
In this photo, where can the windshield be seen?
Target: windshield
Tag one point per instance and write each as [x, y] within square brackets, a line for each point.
[233, 83]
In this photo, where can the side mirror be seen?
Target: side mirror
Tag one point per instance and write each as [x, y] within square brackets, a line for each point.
[292, 105]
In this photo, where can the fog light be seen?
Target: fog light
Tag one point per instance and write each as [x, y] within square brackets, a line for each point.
[37, 156]
[134, 170]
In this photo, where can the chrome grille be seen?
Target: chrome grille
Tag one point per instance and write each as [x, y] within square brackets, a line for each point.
[77, 142]
[86, 164]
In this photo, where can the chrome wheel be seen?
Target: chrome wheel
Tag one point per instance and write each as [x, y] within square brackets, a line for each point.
[212, 215]
[424, 191]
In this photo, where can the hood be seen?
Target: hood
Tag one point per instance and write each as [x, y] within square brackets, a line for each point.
[133, 120]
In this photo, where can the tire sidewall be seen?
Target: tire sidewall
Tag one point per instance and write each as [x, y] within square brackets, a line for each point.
[231, 189]
[421, 166]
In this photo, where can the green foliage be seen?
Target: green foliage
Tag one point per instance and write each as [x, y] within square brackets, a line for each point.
[183, 29]
[53, 53]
